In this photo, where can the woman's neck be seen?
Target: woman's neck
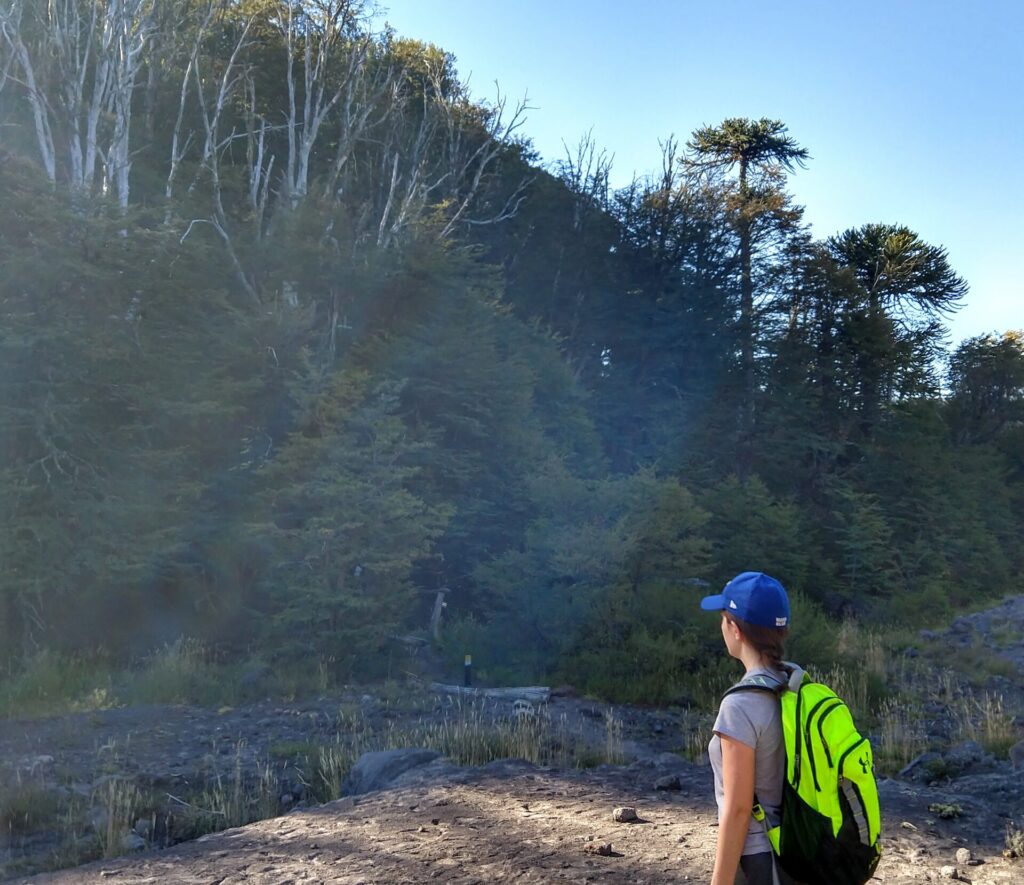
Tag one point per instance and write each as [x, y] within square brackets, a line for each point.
[753, 660]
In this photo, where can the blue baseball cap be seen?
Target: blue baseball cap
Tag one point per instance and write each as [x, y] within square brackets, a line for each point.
[753, 597]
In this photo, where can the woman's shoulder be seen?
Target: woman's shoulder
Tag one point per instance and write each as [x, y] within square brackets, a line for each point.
[753, 698]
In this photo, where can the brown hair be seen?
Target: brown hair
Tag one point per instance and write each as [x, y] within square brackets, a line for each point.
[769, 642]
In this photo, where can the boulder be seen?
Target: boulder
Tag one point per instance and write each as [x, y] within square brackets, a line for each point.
[374, 771]
[965, 757]
[669, 782]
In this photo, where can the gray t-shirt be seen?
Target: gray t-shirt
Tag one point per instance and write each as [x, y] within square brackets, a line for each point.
[753, 718]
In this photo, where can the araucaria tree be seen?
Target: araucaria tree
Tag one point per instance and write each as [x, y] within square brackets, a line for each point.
[759, 150]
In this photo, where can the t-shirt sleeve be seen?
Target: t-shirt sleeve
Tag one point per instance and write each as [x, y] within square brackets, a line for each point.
[734, 721]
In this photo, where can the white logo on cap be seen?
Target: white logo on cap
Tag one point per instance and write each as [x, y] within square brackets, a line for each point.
[781, 622]
[732, 603]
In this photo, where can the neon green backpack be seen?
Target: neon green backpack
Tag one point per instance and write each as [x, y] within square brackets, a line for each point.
[830, 818]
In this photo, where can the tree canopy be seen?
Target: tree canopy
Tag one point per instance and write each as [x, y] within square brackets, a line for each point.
[295, 331]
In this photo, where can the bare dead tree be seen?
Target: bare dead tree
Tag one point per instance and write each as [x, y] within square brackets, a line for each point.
[444, 159]
[586, 171]
[371, 95]
[259, 161]
[42, 112]
[132, 28]
[211, 111]
[468, 165]
[7, 58]
[411, 180]
[180, 145]
[79, 69]
[168, 44]
[328, 37]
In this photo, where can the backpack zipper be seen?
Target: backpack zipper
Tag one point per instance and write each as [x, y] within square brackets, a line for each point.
[852, 747]
[807, 729]
[821, 728]
[799, 736]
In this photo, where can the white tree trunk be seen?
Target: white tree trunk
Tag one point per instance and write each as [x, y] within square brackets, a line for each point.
[92, 53]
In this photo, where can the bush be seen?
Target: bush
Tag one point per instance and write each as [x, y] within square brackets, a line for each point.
[180, 673]
[51, 682]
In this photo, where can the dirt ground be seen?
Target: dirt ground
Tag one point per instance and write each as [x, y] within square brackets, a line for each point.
[513, 822]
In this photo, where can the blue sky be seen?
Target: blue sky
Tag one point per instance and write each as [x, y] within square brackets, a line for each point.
[913, 111]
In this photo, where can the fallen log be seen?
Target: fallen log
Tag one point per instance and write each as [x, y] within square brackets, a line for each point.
[537, 694]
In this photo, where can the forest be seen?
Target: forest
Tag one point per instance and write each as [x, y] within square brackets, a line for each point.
[296, 331]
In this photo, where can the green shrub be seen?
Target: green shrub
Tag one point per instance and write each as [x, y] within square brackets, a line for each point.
[51, 683]
[643, 666]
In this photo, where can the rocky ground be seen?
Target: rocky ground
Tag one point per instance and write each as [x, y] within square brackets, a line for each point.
[511, 821]
[421, 818]
[504, 821]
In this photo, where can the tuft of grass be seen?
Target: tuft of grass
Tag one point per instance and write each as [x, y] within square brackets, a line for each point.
[613, 752]
[985, 721]
[291, 749]
[120, 802]
[1014, 840]
[1006, 635]
[696, 746]
[900, 738]
[51, 683]
[330, 766]
[178, 673]
[230, 801]
[26, 806]
[978, 662]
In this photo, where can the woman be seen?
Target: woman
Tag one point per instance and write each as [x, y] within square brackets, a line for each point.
[747, 751]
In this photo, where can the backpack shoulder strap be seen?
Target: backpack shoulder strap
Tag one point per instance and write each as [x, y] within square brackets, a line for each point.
[758, 682]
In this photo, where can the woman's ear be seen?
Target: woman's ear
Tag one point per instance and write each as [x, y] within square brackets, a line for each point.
[731, 627]
[734, 629]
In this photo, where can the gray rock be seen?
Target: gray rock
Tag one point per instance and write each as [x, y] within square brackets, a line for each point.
[133, 842]
[430, 773]
[949, 872]
[966, 757]
[374, 771]
[625, 815]
[921, 768]
[669, 782]
[964, 856]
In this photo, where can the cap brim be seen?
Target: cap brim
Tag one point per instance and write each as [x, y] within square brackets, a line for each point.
[713, 603]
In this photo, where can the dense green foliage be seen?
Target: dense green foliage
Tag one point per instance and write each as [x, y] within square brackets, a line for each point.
[282, 382]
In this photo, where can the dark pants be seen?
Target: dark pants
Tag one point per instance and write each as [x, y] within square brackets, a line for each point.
[756, 869]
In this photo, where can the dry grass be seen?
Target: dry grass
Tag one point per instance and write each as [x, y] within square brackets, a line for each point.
[984, 720]
[900, 738]
[695, 747]
[120, 801]
[1014, 840]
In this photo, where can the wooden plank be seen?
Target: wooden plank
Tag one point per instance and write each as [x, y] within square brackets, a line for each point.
[537, 694]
